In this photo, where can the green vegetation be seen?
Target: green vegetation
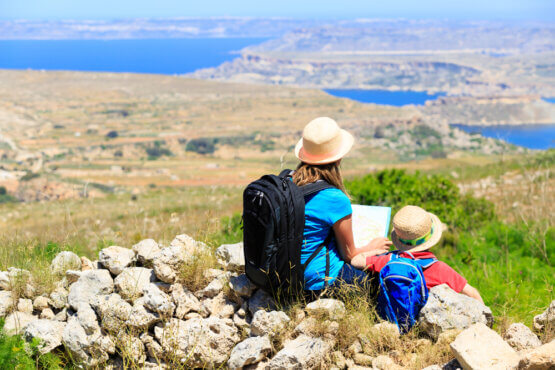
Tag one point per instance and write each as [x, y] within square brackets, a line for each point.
[511, 264]
[201, 146]
[157, 150]
[16, 353]
[5, 197]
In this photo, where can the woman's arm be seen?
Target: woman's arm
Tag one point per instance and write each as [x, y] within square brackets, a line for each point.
[343, 230]
[472, 292]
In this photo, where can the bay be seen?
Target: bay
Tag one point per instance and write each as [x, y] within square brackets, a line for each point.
[532, 136]
[385, 97]
[162, 56]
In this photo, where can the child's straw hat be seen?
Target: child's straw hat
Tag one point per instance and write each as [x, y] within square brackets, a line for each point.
[415, 230]
[323, 142]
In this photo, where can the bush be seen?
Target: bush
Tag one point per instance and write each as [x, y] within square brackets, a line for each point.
[435, 193]
[112, 134]
[201, 146]
[157, 150]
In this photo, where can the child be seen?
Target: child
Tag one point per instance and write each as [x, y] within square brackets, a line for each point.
[415, 231]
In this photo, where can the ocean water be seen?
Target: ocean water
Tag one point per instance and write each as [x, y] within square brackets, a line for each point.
[163, 56]
[529, 136]
[385, 97]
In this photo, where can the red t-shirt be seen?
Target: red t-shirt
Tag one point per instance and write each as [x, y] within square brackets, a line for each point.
[437, 274]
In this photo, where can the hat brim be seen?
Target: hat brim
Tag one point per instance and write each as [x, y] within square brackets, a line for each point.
[436, 237]
[347, 141]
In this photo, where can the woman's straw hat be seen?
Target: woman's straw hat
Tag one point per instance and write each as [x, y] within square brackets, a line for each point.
[415, 230]
[323, 142]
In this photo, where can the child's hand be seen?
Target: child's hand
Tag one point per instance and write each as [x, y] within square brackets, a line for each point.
[382, 244]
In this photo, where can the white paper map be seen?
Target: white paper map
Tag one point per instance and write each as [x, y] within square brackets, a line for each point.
[369, 222]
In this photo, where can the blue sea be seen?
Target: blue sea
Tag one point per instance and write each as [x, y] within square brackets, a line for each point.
[385, 97]
[529, 136]
[164, 56]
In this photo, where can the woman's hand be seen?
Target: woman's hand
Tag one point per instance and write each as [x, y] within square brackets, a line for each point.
[381, 244]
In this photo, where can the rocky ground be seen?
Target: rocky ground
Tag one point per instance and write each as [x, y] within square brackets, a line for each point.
[133, 308]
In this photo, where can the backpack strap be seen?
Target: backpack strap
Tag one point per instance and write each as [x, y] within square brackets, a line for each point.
[325, 244]
[315, 187]
[426, 262]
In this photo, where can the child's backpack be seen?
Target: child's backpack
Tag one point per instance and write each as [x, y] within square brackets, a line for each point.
[403, 290]
[273, 227]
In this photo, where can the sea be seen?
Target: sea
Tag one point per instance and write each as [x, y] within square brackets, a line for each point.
[181, 56]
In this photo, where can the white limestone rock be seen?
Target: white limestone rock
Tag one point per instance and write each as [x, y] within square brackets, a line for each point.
[168, 262]
[520, 337]
[113, 312]
[116, 258]
[446, 309]
[201, 342]
[546, 319]
[539, 358]
[48, 332]
[145, 250]
[260, 300]
[302, 353]
[90, 284]
[132, 281]
[184, 300]
[479, 347]
[241, 285]
[268, 323]
[6, 302]
[25, 306]
[231, 256]
[140, 317]
[249, 352]
[40, 303]
[16, 322]
[64, 261]
[157, 301]
[331, 308]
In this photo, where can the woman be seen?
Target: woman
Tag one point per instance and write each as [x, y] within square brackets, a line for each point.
[329, 211]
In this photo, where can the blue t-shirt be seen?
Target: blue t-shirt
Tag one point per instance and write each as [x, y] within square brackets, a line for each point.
[322, 210]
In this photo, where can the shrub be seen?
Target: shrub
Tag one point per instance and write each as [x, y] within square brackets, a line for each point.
[29, 176]
[435, 193]
[157, 150]
[112, 134]
[201, 146]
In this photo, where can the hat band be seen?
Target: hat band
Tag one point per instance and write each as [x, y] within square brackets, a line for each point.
[418, 241]
[319, 157]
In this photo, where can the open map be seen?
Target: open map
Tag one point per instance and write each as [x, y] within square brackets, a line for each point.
[369, 222]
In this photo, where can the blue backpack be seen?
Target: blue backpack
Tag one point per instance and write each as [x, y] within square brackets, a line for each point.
[403, 290]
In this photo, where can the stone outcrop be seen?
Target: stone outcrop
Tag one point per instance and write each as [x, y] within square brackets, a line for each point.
[447, 309]
[231, 256]
[132, 307]
[546, 320]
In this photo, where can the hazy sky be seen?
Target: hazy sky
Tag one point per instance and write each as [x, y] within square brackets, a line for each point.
[109, 9]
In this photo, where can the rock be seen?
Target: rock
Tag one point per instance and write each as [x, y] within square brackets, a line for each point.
[311, 326]
[64, 261]
[185, 301]
[386, 328]
[479, 347]
[60, 316]
[40, 303]
[520, 337]
[339, 360]
[268, 323]
[91, 350]
[88, 320]
[331, 308]
[261, 301]
[384, 362]
[72, 276]
[304, 352]
[48, 314]
[362, 359]
[87, 264]
[168, 262]
[241, 321]
[540, 358]
[113, 312]
[212, 289]
[201, 342]
[433, 367]
[16, 322]
[5, 280]
[90, 284]
[145, 250]
[132, 281]
[241, 285]
[231, 256]
[58, 298]
[25, 306]
[158, 301]
[140, 317]
[248, 352]
[47, 331]
[211, 274]
[219, 306]
[546, 320]
[446, 309]
[131, 348]
[6, 302]
[23, 280]
[116, 258]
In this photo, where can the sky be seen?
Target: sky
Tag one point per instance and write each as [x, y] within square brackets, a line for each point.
[542, 10]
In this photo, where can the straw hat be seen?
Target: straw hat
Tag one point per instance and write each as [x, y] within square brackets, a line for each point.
[323, 142]
[415, 230]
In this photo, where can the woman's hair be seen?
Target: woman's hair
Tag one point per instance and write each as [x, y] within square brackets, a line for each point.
[309, 173]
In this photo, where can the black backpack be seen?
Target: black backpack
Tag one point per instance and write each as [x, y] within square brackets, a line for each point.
[273, 228]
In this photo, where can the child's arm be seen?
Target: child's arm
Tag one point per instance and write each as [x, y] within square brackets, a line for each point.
[472, 292]
[359, 261]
